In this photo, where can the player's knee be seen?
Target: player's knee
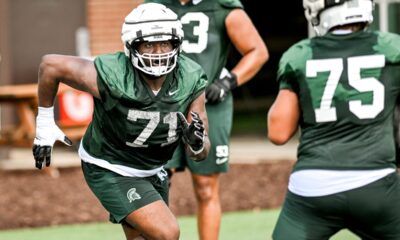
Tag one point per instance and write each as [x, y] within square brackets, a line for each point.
[206, 188]
[204, 193]
[168, 232]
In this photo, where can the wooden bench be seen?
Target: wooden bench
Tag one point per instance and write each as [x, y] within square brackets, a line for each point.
[24, 98]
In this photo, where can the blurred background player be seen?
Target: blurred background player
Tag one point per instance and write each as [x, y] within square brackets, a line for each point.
[341, 88]
[139, 97]
[211, 27]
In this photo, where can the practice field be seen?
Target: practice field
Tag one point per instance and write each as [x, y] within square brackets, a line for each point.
[249, 225]
[33, 199]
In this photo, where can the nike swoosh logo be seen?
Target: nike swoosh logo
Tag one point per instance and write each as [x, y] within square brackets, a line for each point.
[221, 160]
[173, 92]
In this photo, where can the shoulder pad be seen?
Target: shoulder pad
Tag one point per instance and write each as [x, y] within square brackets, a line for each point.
[389, 44]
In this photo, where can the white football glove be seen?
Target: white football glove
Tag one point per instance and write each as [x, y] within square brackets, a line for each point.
[47, 133]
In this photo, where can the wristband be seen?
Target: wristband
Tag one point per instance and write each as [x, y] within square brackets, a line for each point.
[232, 80]
[45, 116]
[46, 111]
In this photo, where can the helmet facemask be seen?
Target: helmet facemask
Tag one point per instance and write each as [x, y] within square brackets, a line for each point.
[154, 64]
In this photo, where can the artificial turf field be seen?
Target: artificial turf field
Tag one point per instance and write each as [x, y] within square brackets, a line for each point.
[246, 225]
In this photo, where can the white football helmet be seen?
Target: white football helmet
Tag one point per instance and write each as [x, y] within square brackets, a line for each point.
[152, 22]
[326, 14]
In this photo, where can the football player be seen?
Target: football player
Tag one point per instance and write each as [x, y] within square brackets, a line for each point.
[212, 28]
[341, 88]
[141, 99]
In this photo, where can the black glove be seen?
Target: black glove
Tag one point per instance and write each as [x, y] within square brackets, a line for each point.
[219, 89]
[193, 133]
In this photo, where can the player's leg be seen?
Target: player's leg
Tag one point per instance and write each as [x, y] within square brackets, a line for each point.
[206, 188]
[205, 174]
[375, 209]
[153, 221]
[130, 232]
[310, 218]
[140, 203]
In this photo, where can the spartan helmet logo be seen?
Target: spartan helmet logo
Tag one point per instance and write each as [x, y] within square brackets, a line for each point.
[132, 195]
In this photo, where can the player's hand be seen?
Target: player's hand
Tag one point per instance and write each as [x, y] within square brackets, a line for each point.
[193, 133]
[219, 89]
[47, 133]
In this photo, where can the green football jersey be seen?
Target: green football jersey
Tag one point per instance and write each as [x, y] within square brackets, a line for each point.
[347, 87]
[205, 40]
[132, 126]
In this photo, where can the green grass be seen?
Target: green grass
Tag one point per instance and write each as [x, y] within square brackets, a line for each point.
[248, 225]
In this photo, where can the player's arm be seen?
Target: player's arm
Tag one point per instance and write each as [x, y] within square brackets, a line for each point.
[76, 72]
[249, 44]
[195, 129]
[283, 117]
